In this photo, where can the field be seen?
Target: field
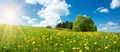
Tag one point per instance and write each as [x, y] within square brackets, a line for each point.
[35, 39]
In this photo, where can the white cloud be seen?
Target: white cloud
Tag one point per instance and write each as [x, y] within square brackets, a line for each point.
[115, 4]
[29, 19]
[51, 12]
[110, 27]
[111, 24]
[31, 1]
[103, 10]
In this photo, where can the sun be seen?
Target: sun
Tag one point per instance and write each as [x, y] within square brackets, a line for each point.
[11, 12]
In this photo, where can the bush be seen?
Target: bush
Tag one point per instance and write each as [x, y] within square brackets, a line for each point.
[84, 24]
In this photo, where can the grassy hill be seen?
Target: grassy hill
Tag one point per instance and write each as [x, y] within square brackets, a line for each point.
[34, 39]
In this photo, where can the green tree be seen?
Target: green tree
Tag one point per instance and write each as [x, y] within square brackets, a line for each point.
[84, 24]
[67, 25]
[48, 26]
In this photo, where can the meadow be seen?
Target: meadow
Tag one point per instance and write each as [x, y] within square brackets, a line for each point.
[35, 39]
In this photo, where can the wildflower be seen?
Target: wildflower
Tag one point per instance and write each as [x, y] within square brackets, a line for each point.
[86, 47]
[105, 47]
[80, 44]
[4, 47]
[70, 41]
[61, 44]
[33, 43]
[99, 49]
[32, 38]
[114, 42]
[95, 43]
[80, 50]
[74, 48]
[74, 40]
[61, 51]
[56, 44]
[36, 49]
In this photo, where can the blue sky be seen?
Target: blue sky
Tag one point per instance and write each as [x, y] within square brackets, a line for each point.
[104, 13]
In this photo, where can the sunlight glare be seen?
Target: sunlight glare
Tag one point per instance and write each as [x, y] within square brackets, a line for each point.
[11, 13]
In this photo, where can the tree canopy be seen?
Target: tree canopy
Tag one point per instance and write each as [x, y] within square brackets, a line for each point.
[84, 24]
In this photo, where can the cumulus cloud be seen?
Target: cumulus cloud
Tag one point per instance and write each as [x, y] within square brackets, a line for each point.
[109, 27]
[102, 10]
[51, 12]
[29, 19]
[115, 4]
[31, 1]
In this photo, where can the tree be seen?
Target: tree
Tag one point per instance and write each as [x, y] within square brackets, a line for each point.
[66, 24]
[59, 25]
[84, 24]
[48, 26]
[70, 25]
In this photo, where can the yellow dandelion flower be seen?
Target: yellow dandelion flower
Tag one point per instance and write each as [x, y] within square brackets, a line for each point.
[80, 44]
[56, 44]
[80, 50]
[61, 44]
[36, 49]
[61, 51]
[99, 49]
[74, 48]
[70, 41]
[86, 47]
[105, 47]
[33, 43]
[95, 43]
[114, 42]
[74, 40]
[4, 47]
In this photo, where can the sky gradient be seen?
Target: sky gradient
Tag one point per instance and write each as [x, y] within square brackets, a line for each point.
[41, 13]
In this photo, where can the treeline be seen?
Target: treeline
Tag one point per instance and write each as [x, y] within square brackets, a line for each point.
[67, 25]
[81, 24]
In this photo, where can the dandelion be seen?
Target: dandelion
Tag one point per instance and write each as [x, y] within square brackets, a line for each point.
[61, 44]
[56, 44]
[105, 47]
[33, 43]
[86, 47]
[4, 47]
[80, 50]
[74, 48]
[36, 49]
[61, 51]
[70, 41]
[114, 42]
[99, 49]
[80, 44]
[32, 38]
[95, 43]
[74, 40]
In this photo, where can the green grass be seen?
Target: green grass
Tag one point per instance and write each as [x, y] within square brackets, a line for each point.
[34, 39]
